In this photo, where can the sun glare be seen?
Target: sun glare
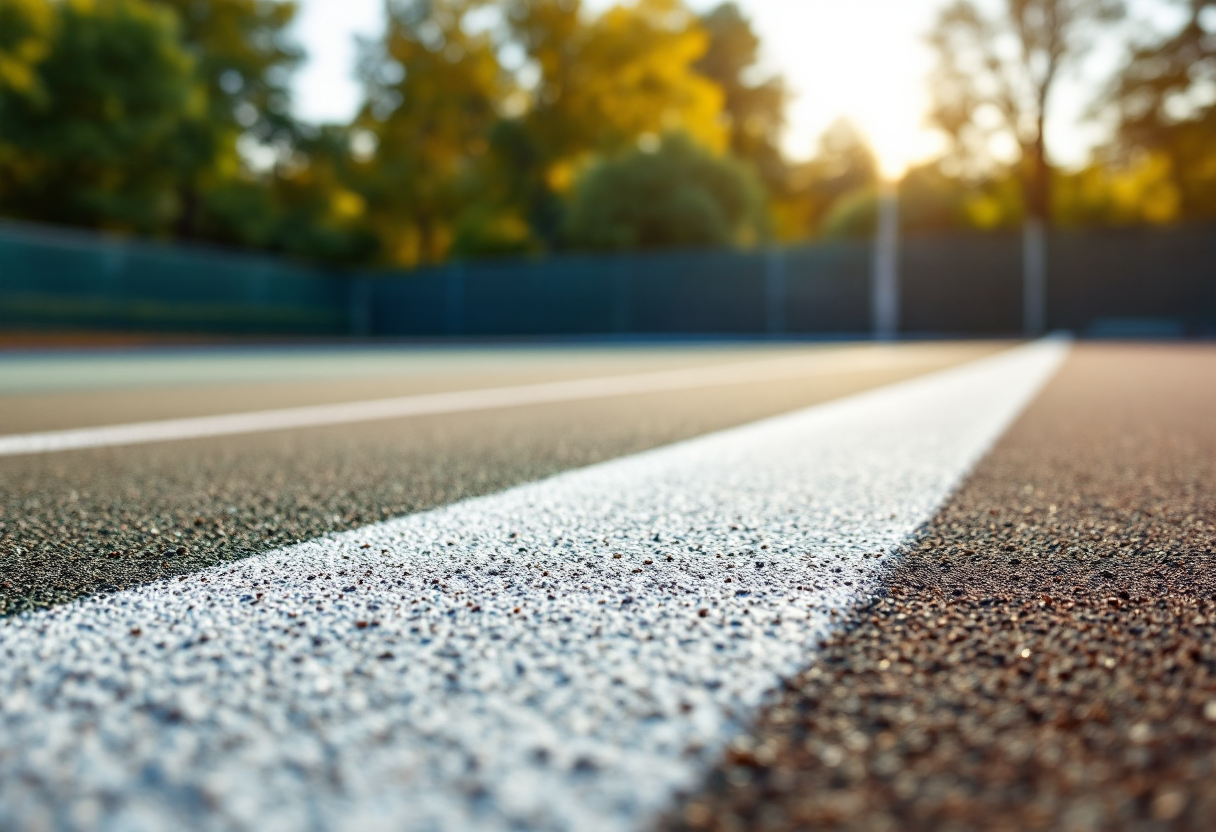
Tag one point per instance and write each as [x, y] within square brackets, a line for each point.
[864, 60]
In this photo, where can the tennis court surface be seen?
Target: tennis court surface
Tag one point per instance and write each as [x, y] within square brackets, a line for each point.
[918, 586]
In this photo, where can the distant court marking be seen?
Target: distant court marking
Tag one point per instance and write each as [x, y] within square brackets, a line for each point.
[430, 404]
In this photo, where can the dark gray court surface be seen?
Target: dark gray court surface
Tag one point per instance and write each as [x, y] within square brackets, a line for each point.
[1038, 656]
[107, 518]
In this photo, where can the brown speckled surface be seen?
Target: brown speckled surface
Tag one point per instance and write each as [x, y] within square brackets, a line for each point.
[1045, 657]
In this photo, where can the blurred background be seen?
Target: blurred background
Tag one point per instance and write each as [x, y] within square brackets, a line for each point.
[792, 168]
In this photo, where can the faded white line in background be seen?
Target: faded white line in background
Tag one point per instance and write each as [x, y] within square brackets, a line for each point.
[565, 655]
[462, 401]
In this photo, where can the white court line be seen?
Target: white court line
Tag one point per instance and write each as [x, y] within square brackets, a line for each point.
[461, 401]
[493, 664]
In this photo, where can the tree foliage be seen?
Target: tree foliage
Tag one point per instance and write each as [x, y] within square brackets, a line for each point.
[495, 127]
[130, 115]
[755, 109]
[604, 80]
[600, 84]
[92, 138]
[25, 27]
[676, 195]
[1167, 113]
[244, 58]
[996, 73]
[842, 166]
[434, 86]
[242, 62]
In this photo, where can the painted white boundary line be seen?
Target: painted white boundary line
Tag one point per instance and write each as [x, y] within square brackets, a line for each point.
[533, 659]
[461, 401]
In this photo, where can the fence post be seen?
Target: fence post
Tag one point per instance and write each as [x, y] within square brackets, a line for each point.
[454, 299]
[884, 286]
[1034, 276]
[774, 292]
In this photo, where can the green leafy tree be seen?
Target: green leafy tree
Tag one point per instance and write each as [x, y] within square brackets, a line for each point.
[25, 39]
[593, 85]
[25, 27]
[243, 59]
[755, 109]
[93, 139]
[127, 114]
[245, 56]
[678, 195]
[433, 86]
[309, 207]
[997, 71]
[320, 213]
[1165, 110]
[842, 167]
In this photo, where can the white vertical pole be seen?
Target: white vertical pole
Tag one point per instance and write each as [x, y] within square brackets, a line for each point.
[1034, 277]
[884, 289]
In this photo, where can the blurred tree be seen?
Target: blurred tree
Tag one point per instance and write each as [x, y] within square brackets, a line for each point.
[542, 127]
[127, 114]
[754, 107]
[677, 195]
[489, 230]
[842, 168]
[1115, 191]
[853, 216]
[307, 207]
[93, 138]
[25, 39]
[25, 30]
[1167, 115]
[513, 182]
[996, 72]
[244, 59]
[319, 209]
[932, 200]
[597, 85]
[604, 82]
[433, 86]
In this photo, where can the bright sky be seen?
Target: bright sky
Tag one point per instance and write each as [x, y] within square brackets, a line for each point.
[861, 59]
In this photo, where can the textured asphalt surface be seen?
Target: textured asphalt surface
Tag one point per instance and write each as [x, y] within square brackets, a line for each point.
[74, 523]
[1044, 658]
[558, 657]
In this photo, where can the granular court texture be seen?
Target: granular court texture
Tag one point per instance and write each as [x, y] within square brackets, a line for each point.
[104, 519]
[1044, 658]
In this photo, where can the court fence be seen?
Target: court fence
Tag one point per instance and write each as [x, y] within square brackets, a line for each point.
[1126, 282]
